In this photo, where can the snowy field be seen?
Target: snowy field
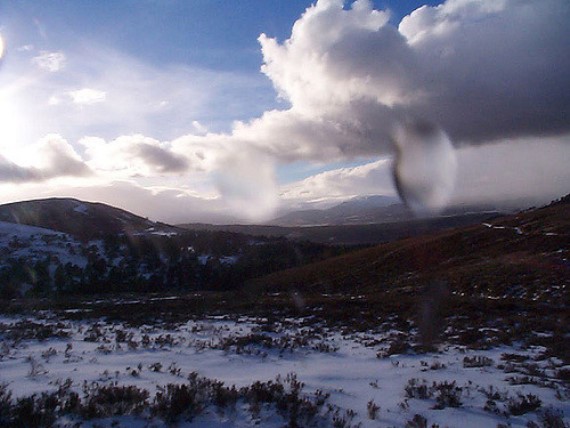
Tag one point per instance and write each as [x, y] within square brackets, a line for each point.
[248, 371]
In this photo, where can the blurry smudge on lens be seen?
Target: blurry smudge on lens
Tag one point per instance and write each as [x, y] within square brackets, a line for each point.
[424, 167]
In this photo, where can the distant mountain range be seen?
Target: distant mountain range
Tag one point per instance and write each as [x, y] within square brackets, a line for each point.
[378, 209]
[361, 210]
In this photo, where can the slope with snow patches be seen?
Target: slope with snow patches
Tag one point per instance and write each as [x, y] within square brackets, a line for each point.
[36, 244]
[291, 370]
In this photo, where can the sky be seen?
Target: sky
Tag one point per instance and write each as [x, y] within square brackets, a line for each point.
[215, 111]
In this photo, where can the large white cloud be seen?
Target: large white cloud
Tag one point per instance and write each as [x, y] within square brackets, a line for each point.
[482, 70]
[132, 156]
[49, 158]
[486, 72]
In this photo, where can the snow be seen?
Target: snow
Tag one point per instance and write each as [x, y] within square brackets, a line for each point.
[163, 233]
[36, 243]
[353, 374]
[23, 231]
[81, 208]
[229, 260]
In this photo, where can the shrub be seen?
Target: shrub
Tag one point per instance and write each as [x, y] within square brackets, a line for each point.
[418, 389]
[417, 422]
[175, 401]
[372, 409]
[448, 395]
[477, 361]
[552, 418]
[113, 400]
[5, 404]
[523, 404]
[35, 410]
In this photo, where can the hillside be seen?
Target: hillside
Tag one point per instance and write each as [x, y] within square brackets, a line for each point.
[83, 220]
[522, 255]
[66, 246]
[353, 234]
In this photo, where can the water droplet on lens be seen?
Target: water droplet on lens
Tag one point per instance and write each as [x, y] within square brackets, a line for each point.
[424, 167]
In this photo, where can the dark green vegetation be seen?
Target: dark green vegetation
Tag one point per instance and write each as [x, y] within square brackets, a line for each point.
[157, 263]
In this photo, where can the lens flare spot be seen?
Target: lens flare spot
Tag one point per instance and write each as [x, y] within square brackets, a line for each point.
[424, 167]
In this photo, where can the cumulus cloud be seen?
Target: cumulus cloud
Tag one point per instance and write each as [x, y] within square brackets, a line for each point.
[50, 61]
[483, 72]
[134, 155]
[13, 173]
[49, 158]
[87, 96]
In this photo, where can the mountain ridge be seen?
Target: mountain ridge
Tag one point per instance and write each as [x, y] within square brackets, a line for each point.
[81, 219]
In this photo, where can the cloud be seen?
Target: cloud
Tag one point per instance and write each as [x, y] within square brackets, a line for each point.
[50, 61]
[424, 167]
[535, 173]
[87, 96]
[171, 205]
[13, 173]
[200, 129]
[49, 158]
[125, 95]
[134, 155]
[483, 72]
[336, 185]
[490, 74]
[531, 169]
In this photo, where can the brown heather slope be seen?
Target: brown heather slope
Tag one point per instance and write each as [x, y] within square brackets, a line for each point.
[524, 256]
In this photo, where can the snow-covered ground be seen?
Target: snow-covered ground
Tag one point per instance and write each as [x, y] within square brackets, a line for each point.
[450, 387]
[36, 243]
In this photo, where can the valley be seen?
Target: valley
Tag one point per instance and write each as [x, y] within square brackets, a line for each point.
[419, 332]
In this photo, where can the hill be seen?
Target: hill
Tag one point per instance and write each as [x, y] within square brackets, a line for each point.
[66, 246]
[524, 255]
[83, 220]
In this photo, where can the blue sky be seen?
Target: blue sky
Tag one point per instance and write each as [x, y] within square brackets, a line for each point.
[215, 35]
[138, 101]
